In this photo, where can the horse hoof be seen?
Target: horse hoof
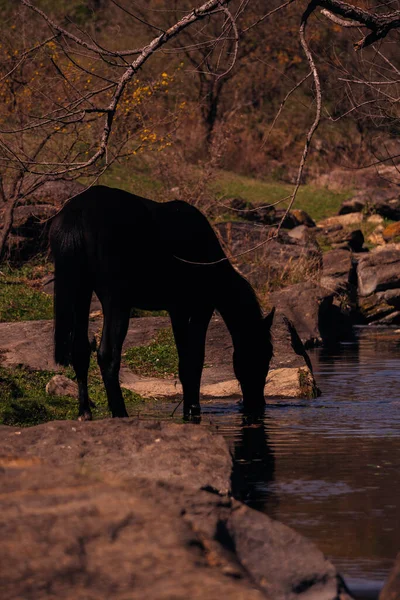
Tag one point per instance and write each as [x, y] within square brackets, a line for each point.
[120, 415]
[192, 414]
[86, 416]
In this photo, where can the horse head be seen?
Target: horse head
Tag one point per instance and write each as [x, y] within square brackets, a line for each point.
[251, 361]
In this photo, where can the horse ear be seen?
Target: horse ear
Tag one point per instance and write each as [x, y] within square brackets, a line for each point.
[269, 319]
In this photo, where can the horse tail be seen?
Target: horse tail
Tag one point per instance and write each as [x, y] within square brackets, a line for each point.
[71, 281]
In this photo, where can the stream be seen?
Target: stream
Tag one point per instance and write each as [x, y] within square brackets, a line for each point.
[330, 467]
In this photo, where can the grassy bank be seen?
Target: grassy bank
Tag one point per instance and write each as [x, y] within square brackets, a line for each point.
[21, 296]
[319, 203]
[24, 401]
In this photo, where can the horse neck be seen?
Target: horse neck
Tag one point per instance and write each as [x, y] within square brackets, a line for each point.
[239, 308]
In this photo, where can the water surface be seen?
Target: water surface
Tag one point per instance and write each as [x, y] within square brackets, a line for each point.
[330, 467]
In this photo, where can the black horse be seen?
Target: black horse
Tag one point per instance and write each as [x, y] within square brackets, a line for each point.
[138, 253]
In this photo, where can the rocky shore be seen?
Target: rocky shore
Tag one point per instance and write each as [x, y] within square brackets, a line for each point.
[141, 509]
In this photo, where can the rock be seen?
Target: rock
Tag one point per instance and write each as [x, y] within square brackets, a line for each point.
[381, 308]
[379, 270]
[391, 232]
[376, 236]
[376, 179]
[30, 219]
[289, 221]
[255, 552]
[290, 370]
[300, 234]
[384, 202]
[302, 217]
[338, 271]
[387, 207]
[31, 344]
[269, 215]
[391, 590]
[379, 285]
[28, 236]
[59, 385]
[374, 309]
[311, 308]
[56, 192]
[249, 211]
[354, 205]
[133, 509]
[375, 219]
[345, 220]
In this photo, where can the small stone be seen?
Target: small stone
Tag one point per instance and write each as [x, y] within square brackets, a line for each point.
[344, 220]
[375, 219]
[59, 385]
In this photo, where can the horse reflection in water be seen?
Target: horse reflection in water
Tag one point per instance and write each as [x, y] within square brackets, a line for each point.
[133, 252]
[253, 464]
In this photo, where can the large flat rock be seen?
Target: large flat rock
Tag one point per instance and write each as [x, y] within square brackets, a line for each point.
[129, 510]
[30, 343]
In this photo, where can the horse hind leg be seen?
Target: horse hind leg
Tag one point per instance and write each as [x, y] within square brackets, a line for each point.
[116, 321]
[80, 356]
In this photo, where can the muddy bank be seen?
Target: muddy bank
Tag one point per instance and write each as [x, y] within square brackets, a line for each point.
[130, 509]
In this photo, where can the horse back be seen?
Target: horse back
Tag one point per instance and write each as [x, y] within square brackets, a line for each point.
[118, 224]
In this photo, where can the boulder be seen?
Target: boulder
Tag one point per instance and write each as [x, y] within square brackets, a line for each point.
[381, 308]
[391, 590]
[379, 270]
[123, 508]
[302, 217]
[313, 310]
[374, 180]
[384, 202]
[339, 271]
[353, 205]
[290, 373]
[28, 236]
[31, 344]
[379, 285]
[59, 385]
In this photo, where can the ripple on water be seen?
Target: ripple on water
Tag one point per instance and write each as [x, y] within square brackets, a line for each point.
[330, 467]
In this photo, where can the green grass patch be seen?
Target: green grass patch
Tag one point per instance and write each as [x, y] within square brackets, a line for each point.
[21, 298]
[140, 182]
[158, 359]
[24, 401]
[319, 203]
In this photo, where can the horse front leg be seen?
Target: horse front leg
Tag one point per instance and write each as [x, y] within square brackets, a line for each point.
[190, 335]
[115, 326]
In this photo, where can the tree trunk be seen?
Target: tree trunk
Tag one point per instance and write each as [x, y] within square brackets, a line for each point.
[7, 224]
